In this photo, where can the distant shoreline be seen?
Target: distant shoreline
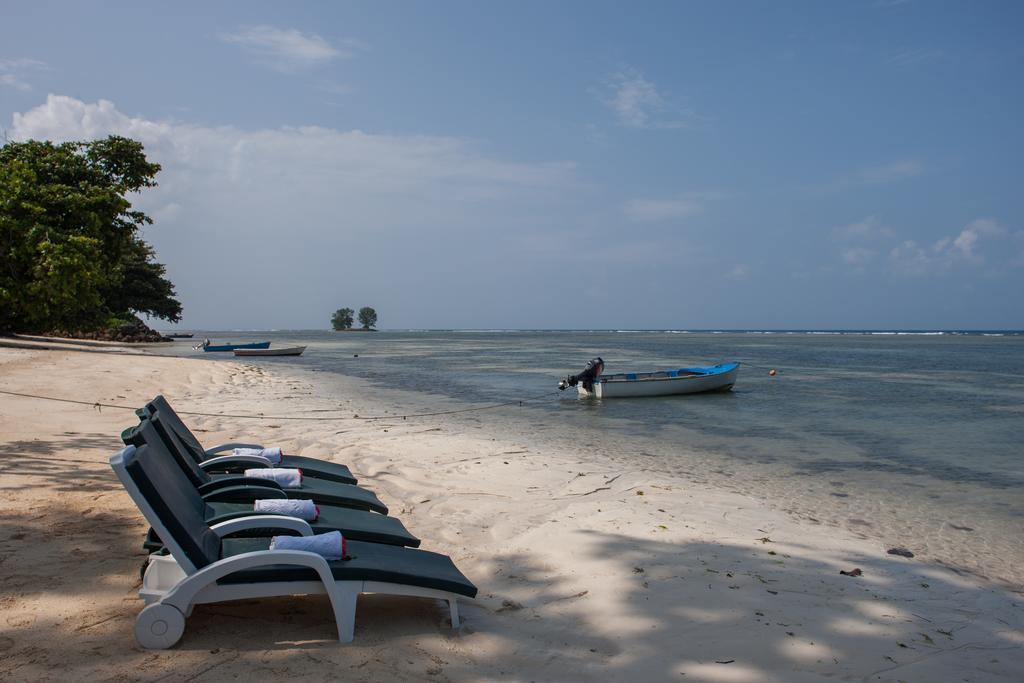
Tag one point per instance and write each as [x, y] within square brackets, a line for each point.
[922, 332]
[481, 330]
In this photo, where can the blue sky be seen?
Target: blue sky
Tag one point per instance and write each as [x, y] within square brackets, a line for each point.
[576, 164]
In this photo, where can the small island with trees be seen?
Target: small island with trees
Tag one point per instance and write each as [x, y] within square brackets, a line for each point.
[342, 320]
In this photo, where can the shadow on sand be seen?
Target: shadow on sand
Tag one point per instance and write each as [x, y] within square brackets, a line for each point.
[698, 611]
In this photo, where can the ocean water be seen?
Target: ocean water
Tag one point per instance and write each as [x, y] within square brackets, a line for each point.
[915, 440]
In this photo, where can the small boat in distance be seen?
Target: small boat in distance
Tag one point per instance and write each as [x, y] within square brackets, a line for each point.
[282, 351]
[208, 347]
[592, 384]
[180, 335]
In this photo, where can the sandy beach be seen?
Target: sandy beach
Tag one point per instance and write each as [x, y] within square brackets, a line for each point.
[584, 572]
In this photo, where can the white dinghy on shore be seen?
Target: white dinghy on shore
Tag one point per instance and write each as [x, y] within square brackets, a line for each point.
[592, 384]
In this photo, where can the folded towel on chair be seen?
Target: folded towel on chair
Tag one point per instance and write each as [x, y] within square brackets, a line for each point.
[274, 454]
[330, 545]
[291, 507]
[287, 478]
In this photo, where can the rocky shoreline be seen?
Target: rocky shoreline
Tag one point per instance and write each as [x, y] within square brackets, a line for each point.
[133, 332]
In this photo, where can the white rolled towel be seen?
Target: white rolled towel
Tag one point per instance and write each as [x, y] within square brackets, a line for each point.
[274, 454]
[287, 478]
[290, 507]
[330, 545]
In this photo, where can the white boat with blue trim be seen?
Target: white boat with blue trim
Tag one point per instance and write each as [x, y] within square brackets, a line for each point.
[592, 384]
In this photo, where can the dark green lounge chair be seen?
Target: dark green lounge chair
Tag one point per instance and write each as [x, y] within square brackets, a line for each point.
[204, 566]
[358, 525]
[320, 491]
[311, 467]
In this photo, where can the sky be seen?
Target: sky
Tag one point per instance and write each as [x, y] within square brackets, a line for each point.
[582, 165]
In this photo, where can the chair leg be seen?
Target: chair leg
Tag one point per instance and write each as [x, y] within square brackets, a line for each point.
[343, 602]
[453, 607]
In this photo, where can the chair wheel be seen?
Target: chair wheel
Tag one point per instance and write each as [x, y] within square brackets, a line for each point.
[159, 626]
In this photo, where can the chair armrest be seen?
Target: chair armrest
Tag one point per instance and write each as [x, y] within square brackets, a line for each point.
[243, 494]
[229, 446]
[283, 522]
[228, 460]
[185, 591]
[237, 481]
[343, 594]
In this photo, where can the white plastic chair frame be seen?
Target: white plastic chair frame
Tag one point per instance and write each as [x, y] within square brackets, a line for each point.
[172, 585]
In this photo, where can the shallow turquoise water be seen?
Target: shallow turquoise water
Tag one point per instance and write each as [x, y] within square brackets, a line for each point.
[914, 440]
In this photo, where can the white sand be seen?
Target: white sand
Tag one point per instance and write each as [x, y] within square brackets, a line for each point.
[584, 572]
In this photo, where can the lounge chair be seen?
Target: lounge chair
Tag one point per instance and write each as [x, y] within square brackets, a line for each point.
[312, 467]
[204, 565]
[320, 491]
[358, 525]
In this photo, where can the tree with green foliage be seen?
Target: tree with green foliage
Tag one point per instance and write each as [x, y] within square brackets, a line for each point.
[71, 257]
[342, 319]
[367, 317]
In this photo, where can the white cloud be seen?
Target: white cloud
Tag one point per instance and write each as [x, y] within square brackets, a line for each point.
[12, 72]
[65, 118]
[12, 81]
[738, 272]
[892, 172]
[912, 57]
[21, 63]
[858, 257]
[652, 210]
[374, 162]
[634, 98]
[969, 246]
[908, 258]
[637, 102]
[869, 228]
[965, 245]
[287, 49]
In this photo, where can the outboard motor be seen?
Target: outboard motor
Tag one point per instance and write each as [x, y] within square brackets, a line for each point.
[590, 373]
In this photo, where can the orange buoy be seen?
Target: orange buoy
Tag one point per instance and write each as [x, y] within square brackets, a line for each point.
[771, 373]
